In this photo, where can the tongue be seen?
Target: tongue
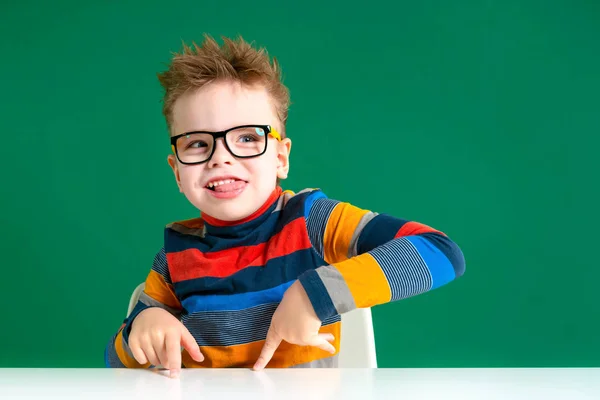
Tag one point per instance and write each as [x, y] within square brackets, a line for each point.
[230, 187]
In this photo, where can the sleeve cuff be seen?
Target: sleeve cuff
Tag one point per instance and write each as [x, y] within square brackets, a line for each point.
[318, 295]
[139, 307]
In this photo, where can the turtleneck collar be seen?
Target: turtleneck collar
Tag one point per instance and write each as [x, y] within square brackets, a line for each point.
[217, 227]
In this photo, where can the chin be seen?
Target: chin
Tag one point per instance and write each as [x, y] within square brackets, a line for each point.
[228, 210]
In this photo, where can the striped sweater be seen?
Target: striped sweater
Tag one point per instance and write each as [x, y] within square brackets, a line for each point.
[224, 280]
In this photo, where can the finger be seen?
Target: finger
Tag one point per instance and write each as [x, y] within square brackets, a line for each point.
[328, 336]
[137, 352]
[173, 354]
[161, 351]
[271, 344]
[189, 343]
[321, 341]
[151, 355]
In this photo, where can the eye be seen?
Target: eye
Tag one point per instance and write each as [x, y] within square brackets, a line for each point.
[197, 144]
[247, 138]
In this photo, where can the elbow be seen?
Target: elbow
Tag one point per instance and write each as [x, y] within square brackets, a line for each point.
[455, 257]
[452, 254]
[458, 262]
[111, 359]
[106, 361]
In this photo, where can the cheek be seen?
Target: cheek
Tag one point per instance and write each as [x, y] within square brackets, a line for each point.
[189, 176]
[264, 172]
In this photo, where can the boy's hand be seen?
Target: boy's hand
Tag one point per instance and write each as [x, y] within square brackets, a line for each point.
[157, 337]
[296, 322]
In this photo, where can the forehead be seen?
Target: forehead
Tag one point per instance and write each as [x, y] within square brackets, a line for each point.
[221, 105]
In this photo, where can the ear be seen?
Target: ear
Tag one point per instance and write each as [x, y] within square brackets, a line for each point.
[172, 160]
[283, 158]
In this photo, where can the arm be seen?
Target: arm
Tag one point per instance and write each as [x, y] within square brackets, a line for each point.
[158, 292]
[373, 258]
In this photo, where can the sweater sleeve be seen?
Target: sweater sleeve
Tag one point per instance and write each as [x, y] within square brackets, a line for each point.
[373, 258]
[158, 292]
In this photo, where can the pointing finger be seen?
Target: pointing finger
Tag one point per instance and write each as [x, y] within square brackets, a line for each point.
[173, 354]
[271, 344]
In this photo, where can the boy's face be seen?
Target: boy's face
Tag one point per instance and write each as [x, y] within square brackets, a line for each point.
[216, 107]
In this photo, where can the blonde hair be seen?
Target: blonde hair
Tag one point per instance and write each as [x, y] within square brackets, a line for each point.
[237, 60]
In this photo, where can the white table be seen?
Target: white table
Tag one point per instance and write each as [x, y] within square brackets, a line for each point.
[305, 384]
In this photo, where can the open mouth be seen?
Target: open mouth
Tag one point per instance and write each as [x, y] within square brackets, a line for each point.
[224, 185]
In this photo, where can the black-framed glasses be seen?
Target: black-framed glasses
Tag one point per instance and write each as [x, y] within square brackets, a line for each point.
[245, 141]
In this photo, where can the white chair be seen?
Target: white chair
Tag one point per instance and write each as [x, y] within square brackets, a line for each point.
[134, 297]
[357, 347]
[357, 342]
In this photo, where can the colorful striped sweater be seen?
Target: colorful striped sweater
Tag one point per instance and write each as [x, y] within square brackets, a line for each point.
[225, 280]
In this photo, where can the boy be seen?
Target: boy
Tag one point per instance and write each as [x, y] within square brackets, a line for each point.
[264, 274]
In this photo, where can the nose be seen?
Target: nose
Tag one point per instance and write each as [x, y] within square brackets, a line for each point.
[221, 156]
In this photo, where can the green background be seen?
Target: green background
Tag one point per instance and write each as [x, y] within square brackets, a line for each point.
[479, 118]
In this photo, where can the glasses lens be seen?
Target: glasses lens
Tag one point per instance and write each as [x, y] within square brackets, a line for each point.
[195, 147]
[247, 142]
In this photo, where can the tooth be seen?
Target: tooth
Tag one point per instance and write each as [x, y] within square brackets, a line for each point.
[221, 182]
